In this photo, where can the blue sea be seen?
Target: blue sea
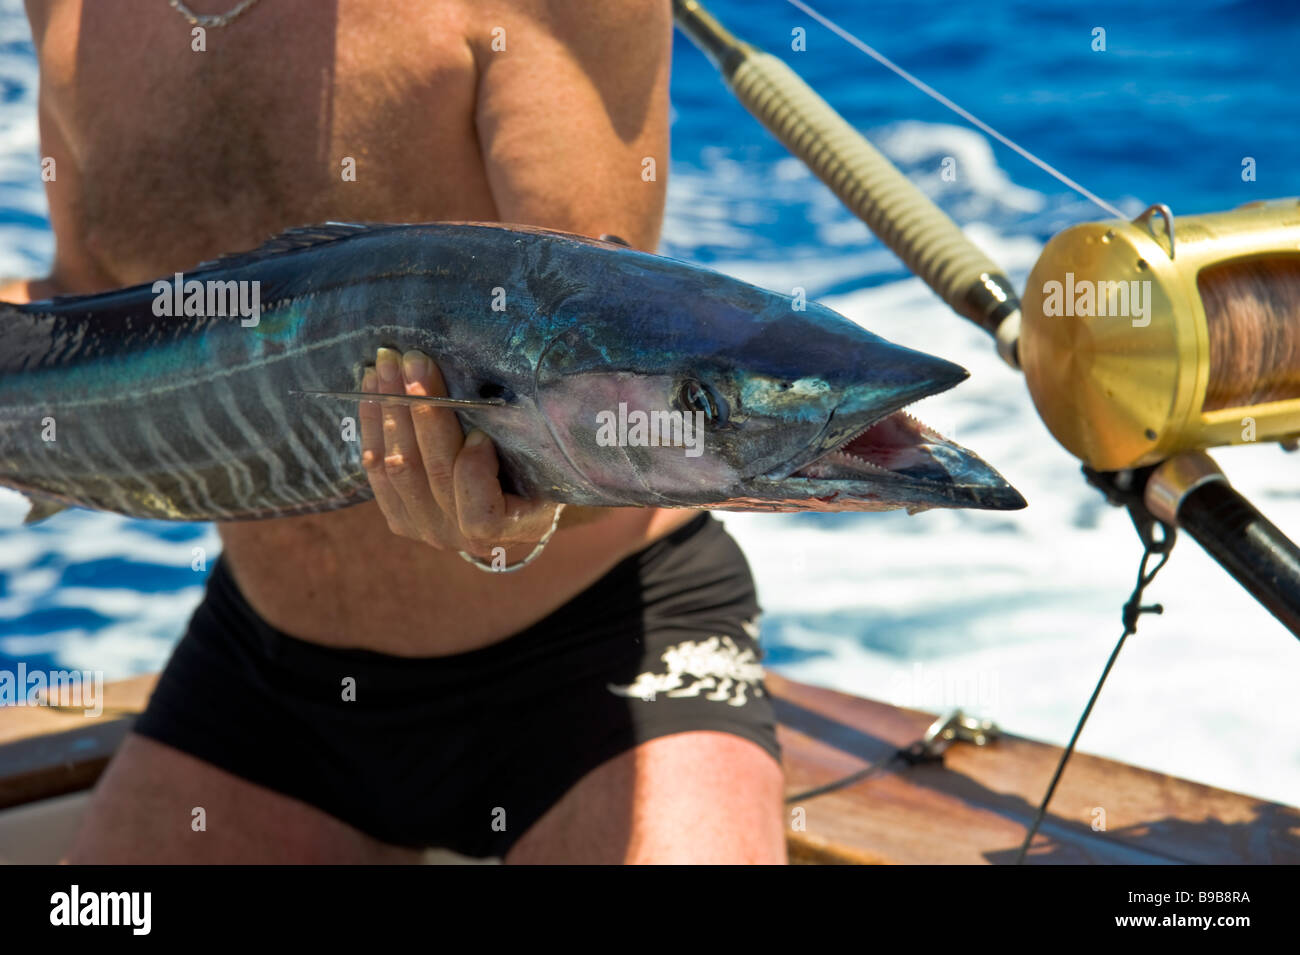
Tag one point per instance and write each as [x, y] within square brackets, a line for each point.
[1010, 615]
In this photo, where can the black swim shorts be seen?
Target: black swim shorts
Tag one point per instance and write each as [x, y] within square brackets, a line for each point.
[466, 752]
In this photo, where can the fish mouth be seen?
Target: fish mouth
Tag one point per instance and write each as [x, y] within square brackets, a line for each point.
[895, 461]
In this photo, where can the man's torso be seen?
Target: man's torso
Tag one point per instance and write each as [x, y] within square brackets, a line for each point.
[166, 156]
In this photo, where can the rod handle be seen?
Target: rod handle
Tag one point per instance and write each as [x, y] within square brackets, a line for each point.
[904, 218]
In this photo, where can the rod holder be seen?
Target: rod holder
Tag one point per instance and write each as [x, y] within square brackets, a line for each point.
[1191, 492]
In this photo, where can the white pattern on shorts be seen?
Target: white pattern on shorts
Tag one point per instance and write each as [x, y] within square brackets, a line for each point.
[715, 664]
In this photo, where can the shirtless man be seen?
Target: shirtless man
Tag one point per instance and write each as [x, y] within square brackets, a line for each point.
[484, 718]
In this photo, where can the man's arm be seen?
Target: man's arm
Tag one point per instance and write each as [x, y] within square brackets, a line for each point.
[573, 115]
[572, 120]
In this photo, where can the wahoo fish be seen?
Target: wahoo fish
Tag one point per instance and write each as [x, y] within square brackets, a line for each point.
[159, 401]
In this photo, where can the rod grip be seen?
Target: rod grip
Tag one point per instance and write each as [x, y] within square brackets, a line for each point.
[905, 219]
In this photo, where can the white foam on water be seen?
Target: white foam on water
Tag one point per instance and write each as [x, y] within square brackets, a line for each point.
[26, 249]
[972, 172]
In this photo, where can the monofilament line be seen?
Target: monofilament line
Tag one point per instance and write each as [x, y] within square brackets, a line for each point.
[964, 114]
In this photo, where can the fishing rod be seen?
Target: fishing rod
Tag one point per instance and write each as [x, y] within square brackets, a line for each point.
[1142, 346]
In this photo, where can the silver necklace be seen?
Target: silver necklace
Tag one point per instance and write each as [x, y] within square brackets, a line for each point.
[206, 20]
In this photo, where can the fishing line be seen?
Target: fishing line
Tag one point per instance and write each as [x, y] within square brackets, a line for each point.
[964, 114]
[930, 749]
[872, 770]
[1133, 609]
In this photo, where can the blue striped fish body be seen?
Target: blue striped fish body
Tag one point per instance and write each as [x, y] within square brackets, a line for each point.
[106, 404]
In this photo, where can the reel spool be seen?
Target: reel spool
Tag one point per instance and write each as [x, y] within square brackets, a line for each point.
[1143, 339]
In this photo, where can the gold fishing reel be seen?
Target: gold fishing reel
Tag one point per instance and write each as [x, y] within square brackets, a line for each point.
[1143, 339]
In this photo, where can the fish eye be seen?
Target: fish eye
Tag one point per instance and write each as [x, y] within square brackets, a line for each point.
[693, 396]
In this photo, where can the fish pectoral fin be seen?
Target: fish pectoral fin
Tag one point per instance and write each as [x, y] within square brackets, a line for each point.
[406, 399]
[42, 508]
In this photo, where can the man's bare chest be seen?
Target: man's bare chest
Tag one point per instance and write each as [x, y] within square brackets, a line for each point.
[297, 111]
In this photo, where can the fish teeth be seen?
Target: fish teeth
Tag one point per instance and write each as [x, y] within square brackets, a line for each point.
[849, 459]
[858, 460]
[844, 459]
[921, 424]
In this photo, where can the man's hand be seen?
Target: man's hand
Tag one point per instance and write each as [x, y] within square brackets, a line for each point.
[433, 483]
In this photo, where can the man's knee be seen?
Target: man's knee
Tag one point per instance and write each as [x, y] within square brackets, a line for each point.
[155, 804]
[698, 797]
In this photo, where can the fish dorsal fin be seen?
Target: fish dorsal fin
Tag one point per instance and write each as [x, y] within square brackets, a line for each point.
[299, 237]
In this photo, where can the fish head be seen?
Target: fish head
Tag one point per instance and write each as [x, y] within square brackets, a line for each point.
[723, 395]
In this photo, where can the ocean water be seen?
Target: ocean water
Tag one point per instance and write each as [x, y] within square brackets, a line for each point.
[1010, 615]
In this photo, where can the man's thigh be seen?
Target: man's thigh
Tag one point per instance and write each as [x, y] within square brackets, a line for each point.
[699, 797]
[144, 811]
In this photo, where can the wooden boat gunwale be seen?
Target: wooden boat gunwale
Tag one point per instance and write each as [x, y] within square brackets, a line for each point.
[973, 807]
